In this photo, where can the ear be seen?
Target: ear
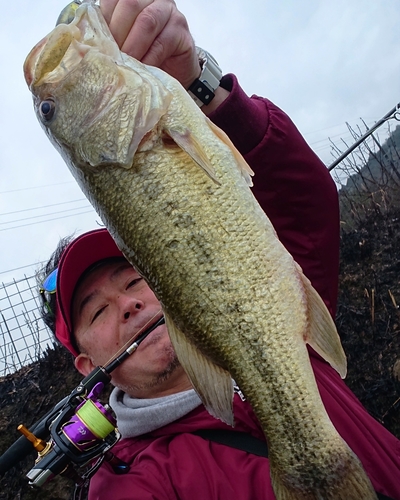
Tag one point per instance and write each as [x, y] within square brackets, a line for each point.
[83, 363]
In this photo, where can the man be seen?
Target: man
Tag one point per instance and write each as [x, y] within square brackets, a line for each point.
[101, 302]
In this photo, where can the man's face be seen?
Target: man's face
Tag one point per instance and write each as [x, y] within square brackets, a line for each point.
[110, 306]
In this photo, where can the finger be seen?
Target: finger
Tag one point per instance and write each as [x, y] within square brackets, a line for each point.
[149, 24]
[175, 55]
[123, 17]
[107, 8]
[174, 51]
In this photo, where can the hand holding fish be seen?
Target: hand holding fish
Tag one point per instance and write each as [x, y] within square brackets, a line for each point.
[156, 33]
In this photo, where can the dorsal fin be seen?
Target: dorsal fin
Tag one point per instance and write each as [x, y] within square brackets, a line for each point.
[244, 168]
[322, 334]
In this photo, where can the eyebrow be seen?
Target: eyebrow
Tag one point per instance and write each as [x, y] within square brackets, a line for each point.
[120, 269]
[87, 300]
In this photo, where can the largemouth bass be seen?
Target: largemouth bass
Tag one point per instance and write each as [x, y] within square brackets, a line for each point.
[174, 194]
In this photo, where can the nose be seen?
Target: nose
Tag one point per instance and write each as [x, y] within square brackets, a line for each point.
[130, 306]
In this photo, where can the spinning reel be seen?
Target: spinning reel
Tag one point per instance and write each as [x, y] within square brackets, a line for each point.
[76, 436]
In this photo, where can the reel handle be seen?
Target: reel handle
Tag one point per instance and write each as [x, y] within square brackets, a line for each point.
[22, 447]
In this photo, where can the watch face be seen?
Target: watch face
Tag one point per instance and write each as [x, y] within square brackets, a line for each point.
[199, 91]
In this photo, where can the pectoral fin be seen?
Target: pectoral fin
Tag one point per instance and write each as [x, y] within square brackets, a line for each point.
[187, 141]
[213, 384]
[322, 335]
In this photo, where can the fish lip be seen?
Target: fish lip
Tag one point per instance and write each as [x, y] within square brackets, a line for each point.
[48, 54]
[30, 61]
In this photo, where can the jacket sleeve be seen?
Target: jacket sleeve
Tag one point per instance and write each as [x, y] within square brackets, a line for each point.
[291, 184]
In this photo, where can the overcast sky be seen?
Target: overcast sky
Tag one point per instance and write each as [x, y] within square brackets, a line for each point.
[325, 63]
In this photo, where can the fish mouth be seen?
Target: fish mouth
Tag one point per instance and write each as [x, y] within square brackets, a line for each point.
[45, 58]
[62, 49]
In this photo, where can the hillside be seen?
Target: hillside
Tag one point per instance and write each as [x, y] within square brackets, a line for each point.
[371, 180]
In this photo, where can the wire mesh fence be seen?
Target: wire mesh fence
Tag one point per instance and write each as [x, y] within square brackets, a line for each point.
[23, 335]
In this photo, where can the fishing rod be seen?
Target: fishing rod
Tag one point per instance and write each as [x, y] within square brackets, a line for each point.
[76, 436]
[393, 113]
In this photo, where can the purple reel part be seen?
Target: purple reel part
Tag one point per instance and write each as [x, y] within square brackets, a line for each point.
[91, 423]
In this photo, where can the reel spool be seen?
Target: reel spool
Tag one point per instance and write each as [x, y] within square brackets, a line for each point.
[91, 422]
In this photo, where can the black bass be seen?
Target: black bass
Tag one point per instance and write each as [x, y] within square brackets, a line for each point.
[174, 194]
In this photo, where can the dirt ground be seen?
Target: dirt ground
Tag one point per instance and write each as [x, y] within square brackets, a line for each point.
[26, 396]
[368, 317]
[368, 321]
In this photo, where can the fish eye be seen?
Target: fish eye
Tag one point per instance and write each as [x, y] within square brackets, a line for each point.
[47, 109]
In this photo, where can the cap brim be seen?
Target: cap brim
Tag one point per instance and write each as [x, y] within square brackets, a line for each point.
[80, 254]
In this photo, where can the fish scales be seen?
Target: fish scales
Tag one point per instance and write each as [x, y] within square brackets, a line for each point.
[174, 194]
[236, 310]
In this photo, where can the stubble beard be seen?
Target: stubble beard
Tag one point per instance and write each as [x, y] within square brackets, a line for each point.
[157, 381]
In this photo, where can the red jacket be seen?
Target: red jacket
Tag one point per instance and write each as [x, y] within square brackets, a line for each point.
[297, 193]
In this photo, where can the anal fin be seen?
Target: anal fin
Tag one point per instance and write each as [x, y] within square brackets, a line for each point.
[212, 383]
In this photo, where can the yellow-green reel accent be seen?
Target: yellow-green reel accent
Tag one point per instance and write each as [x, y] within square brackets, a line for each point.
[94, 420]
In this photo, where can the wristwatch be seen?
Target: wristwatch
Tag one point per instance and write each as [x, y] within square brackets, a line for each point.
[202, 90]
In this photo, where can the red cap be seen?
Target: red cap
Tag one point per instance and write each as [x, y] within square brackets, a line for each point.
[79, 255]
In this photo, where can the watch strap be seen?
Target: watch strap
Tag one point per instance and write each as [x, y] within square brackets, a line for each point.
[202, 90]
